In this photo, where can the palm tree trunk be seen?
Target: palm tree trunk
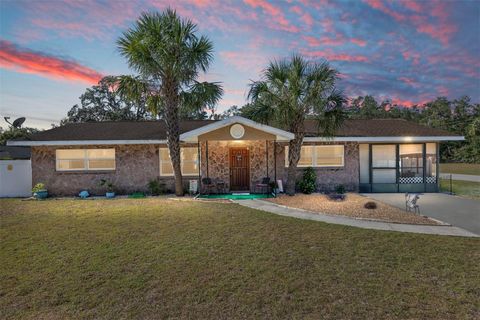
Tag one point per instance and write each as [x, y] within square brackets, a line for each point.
[294, 148]
[173, 135]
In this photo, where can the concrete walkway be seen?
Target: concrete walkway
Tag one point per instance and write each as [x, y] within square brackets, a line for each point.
[366, 224]
[463, 177]
[460, 212]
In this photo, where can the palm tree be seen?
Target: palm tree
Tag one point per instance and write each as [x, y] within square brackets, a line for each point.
[168, 56]
[292, 90]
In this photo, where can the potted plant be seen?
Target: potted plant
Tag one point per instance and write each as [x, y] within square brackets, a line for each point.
[39, 191]
[274, 186]
[339, 194]
[109, 188]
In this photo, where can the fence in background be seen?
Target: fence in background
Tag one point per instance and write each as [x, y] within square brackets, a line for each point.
[445, 183]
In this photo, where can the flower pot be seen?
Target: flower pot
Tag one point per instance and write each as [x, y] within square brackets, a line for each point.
[42, 194]
[110, 195]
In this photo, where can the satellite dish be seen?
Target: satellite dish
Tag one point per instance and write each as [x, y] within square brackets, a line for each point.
[18, 122]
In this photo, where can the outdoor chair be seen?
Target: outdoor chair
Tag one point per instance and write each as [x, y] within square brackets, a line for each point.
[264, 184]
[411, 202]
[208, 185]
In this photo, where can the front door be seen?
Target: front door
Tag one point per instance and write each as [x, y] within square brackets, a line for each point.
[239, 169]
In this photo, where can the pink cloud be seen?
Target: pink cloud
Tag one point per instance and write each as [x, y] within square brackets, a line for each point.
[359, 42]
[296, 9]
[307, 18]
[442, 30]
[27, 61]
[275, 13]
[323, 41]
[413, 56]
[412, 5]
[408, 81]
[245, 61]
[332, 56]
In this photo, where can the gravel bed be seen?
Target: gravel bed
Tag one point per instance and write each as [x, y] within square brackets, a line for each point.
[352, 206]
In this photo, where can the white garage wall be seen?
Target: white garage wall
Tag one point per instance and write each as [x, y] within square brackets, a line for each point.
[15, 178]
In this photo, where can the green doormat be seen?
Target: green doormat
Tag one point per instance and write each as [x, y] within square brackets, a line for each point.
[245, 196]
[137, 195]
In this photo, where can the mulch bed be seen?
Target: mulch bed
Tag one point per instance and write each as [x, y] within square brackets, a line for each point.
[352, 206]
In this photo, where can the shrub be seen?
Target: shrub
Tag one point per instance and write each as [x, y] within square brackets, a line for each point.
[39, 187]
[308, 183]
[156, 188]
[107, 184]
[370, 205]
[340, 189]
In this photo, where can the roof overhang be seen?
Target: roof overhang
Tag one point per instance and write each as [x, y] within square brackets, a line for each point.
[192, 136]
[403, 139]
[81, 142]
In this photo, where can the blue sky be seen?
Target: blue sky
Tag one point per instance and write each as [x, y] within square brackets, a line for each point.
[407, 51]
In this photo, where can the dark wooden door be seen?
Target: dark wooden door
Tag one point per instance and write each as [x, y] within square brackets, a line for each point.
[239, 169]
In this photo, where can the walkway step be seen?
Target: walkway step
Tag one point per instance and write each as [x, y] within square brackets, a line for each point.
[366, 224]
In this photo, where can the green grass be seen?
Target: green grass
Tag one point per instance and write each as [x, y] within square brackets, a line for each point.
[460, 168]
[157, 258]
[468, 189]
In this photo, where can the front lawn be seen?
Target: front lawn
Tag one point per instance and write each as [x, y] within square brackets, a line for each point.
[467, 189]
[157, 258]
[460, 168]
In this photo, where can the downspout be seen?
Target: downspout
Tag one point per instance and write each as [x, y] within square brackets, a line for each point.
[206, 155]
[437, 166]
[424, 154]
[199, 156]
[275, 160]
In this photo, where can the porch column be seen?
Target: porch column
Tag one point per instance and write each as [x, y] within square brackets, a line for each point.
[266, 152]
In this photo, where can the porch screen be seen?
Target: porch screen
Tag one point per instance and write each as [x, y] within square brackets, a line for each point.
[319, 156]
[85, 159]
[411, 163]
[189, 161]
[431, 163]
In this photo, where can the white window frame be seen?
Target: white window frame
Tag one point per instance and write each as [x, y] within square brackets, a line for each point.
[85, 160]
[181, 162]
[315, 149]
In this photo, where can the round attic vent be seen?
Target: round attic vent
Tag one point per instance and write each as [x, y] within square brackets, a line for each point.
[237, 131]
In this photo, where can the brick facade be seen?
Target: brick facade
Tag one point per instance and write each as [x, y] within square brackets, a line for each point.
[327, 178]
[136, 165]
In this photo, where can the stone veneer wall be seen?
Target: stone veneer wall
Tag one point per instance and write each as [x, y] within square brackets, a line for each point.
[219, 164]
[136, 165]
[329, 177]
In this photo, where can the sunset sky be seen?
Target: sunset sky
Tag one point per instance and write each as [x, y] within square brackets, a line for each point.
[408, 51]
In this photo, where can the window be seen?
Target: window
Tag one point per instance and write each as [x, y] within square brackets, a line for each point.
[85, 159]
[189, 162]
[411, 163]
[319, 156]
[384, 158]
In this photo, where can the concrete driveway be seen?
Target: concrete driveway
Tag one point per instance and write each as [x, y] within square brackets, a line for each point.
[459, 212]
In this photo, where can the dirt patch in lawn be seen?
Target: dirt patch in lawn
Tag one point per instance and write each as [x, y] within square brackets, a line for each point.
[352, 206]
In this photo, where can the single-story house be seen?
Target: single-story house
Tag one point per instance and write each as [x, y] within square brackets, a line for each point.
[381, 155]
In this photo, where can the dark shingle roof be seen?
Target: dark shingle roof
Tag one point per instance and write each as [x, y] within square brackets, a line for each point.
[114, 130]
[155, 130]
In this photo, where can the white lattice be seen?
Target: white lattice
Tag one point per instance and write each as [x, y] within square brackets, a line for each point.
[410, 180]
[430, 180]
